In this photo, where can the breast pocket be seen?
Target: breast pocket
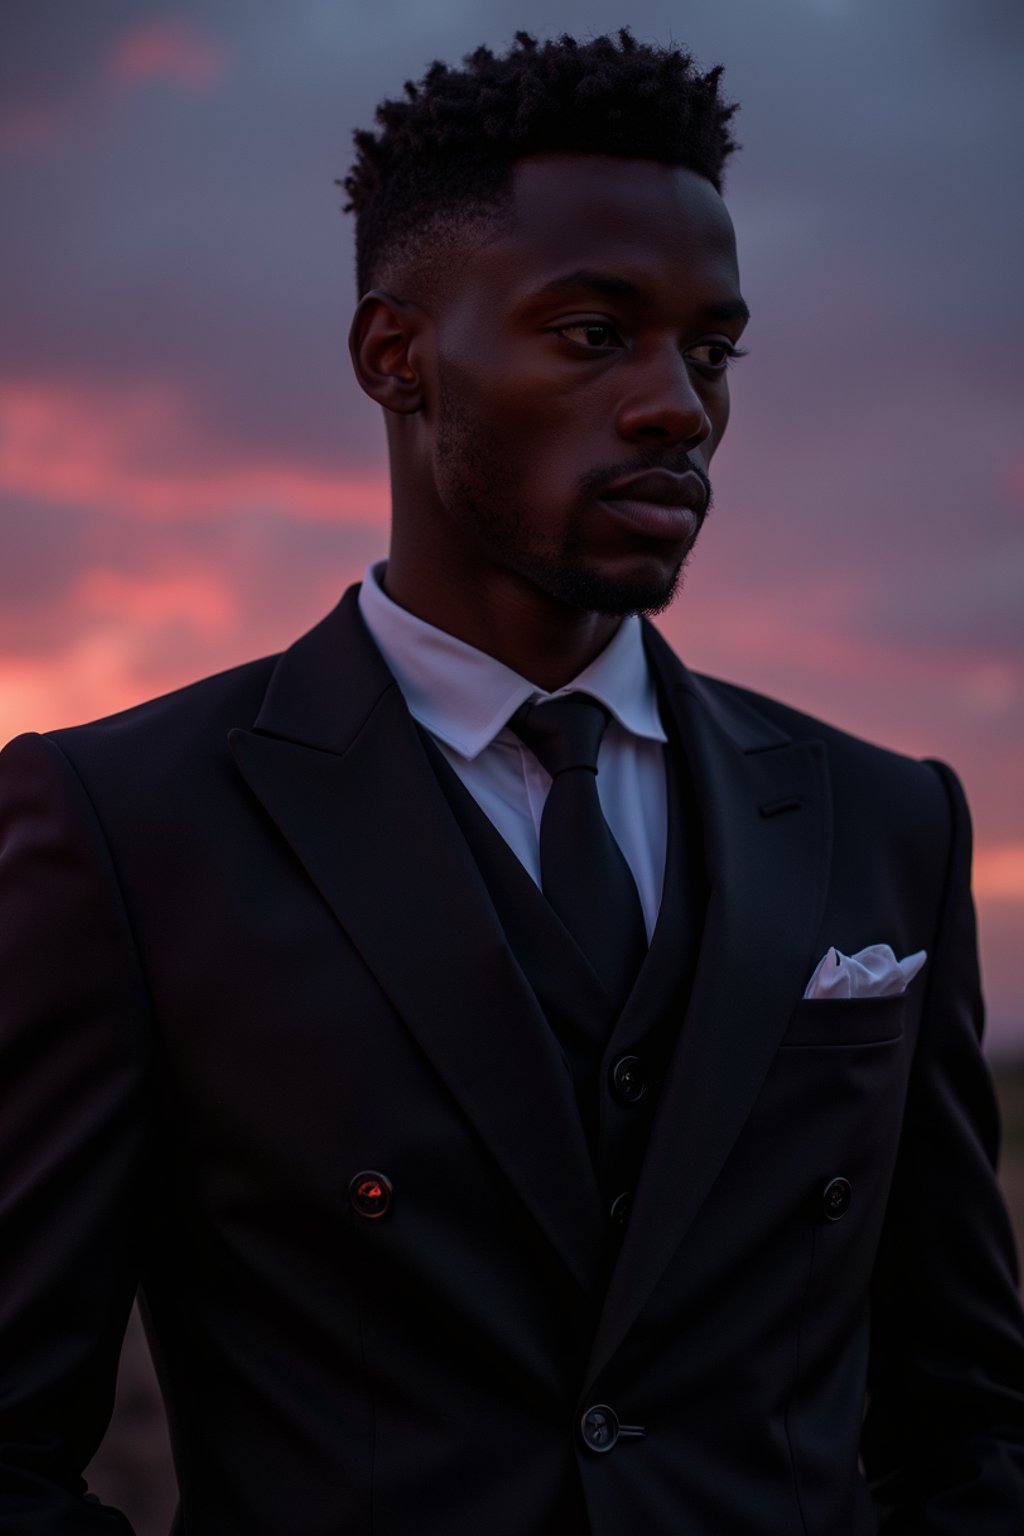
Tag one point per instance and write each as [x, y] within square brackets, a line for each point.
[847, 1021]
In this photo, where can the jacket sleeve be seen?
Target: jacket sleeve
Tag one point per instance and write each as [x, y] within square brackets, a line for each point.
[74, 1046]
[943, 1438]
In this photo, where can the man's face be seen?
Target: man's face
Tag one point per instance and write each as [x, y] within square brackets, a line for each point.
[581, 366]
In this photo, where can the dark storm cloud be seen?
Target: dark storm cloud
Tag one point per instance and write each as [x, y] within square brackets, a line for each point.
[202, 239]
[49, 58]
[186, 234]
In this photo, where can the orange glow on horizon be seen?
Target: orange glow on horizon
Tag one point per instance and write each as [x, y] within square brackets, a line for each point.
[999, 872]
[92, 678]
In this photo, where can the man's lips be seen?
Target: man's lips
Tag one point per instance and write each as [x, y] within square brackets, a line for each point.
[659, 504]
[663, 488]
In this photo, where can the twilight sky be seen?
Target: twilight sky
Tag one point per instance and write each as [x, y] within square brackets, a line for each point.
[189, 476]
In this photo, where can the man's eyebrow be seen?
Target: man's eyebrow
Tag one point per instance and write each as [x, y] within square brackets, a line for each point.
[605, 283]
[610, 286]
[731, 309]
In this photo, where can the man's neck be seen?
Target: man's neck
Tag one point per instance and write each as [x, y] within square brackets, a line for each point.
[546, 642]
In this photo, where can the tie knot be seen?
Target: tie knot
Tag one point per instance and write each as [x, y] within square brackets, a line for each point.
[562, 733]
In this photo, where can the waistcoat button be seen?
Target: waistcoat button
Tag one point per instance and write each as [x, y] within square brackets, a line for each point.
[835, 1199]
[620, 1206]
[629, 1080]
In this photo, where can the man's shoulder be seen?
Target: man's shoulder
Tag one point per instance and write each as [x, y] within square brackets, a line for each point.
[893, 778]
[156, 776]
[162, 740]
[758, 722]
[325, 661]
[213, 704]
[175, 749]
[738, 701]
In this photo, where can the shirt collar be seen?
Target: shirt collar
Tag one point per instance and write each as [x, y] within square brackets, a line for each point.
[464, 697]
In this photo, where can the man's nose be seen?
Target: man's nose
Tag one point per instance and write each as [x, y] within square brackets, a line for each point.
[662, 404]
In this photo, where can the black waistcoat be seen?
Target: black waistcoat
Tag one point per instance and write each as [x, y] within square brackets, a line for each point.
[617, 1087]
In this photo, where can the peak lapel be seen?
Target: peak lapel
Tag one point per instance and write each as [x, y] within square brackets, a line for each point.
[337, 762]
[767, 877]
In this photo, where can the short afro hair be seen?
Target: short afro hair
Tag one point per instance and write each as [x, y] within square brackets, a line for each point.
[446, 153]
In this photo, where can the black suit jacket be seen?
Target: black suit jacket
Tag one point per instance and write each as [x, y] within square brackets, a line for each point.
[245, 954]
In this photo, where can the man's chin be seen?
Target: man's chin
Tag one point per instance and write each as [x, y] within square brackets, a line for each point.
[597, 591]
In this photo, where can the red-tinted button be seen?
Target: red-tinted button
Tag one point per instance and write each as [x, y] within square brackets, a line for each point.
[370, 1194]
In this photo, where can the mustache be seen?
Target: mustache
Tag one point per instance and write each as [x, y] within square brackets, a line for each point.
[596, 481]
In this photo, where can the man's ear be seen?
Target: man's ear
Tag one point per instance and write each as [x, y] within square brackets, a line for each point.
[384, 345]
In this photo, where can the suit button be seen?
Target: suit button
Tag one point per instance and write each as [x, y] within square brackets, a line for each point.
[599, 1428]
[835, 1199]
[370, 1194]
[619, 1210]
[629, 1080]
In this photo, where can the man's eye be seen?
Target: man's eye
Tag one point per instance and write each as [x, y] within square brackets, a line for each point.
[716, 355]
[591, 333]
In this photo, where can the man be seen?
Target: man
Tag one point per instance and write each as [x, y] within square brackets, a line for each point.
[492, 1153]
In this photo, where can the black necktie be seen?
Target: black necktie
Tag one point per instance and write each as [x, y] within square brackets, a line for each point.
[583, 872]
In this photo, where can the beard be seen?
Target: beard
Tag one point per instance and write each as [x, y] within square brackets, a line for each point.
[476, 476]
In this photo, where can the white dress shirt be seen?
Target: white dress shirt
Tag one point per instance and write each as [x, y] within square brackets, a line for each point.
[464, 698]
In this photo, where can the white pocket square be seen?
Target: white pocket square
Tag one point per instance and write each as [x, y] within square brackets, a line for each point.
[871, 972]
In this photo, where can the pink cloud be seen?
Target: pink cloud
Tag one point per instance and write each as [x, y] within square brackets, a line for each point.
[167, 50]
[198, 597]
[1014, 480]
[29, 127]
[136, 451]
[804, 625]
